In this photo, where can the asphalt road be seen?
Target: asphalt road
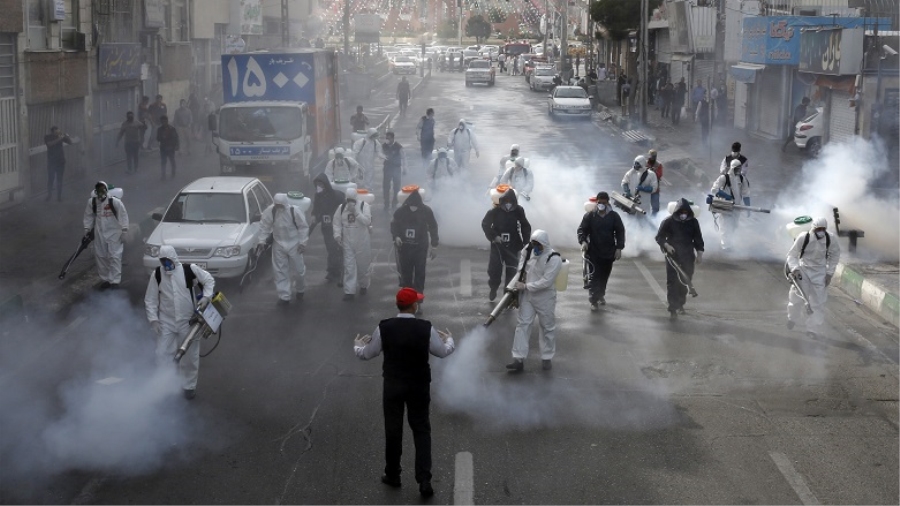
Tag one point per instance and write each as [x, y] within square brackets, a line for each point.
[723, 406]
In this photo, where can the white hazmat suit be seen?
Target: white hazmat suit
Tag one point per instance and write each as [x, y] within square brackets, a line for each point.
[733, 186]
[171, 305]
[110, 228]
[816, 266]
[538, 299]
[462, 141]
[290, 232]
[441, 169]
[631, 181]
[519, 178]
[351, 230]
[367, 152]
[343, 168]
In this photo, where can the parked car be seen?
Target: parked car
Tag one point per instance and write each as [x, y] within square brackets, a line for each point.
[808, 133]
[404, 65]
[469, 55]
[491, 52]
[213, 223]
[480, 71]
[542, 78]
[569, 101]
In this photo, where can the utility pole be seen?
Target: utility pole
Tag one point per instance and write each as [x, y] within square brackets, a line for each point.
[546, 27]
[285, 25]
[346, 23]
[459, 23]
[642, 92]
[564, 41]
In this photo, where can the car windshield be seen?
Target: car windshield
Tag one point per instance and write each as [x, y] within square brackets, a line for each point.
[251, 124]
[544, 72]
[402, 59]
[469, 52]
[480, 64]
[570, 93]
[206, 208]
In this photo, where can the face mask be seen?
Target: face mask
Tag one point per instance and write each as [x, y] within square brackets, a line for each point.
[508, 206]
[167, 265]
[601, 207]
[735, 154]
[101, 194]
[737, 172]
[537, 249]
[513, 154]
[319, 189]
[413, 208]
[819, 234]
[683, 216]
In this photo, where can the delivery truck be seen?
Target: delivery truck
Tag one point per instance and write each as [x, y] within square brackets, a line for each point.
[280, 111]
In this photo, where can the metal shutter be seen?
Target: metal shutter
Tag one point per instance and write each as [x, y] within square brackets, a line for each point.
[663, 48]
[705, 70]
[842, 125]
[769, 108]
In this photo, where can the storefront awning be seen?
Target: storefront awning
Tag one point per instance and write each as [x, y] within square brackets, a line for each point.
[682, 57]
[746, 72]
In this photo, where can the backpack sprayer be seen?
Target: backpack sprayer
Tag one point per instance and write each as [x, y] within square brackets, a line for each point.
[205, 322]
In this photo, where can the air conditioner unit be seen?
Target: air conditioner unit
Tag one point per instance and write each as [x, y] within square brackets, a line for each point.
[80, 42]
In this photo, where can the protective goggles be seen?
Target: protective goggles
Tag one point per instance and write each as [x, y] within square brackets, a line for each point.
[167, 264]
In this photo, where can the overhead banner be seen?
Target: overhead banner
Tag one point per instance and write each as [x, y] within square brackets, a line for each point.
[831, 52]
[118, 62]
[251, 17]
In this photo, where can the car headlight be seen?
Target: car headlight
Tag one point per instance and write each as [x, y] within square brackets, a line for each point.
[228, 251]
[151, 250]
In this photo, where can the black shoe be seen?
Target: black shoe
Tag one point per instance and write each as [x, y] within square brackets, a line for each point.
[391, 481]
[189, 393]
[546, 365]
[363, 291]
[492, 295]
[516, 365]
[104, 285]
[681, 310]
[299, 297]
[594, 306]
[602, 301]
[425, 489]
[348, 296]
[790, 324]
[673, 315]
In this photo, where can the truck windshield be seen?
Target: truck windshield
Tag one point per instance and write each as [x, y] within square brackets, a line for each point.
[254, 124]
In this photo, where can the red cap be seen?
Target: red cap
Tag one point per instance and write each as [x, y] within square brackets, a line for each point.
[406, 297]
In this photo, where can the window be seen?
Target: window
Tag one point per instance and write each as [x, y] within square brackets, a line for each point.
[68, 32]
[37, 24]
[177, 28]
[116, 20]
[7, 65]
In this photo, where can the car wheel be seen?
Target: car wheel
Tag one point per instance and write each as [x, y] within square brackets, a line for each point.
[814, 146]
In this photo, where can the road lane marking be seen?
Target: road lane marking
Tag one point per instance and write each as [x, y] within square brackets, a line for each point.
[793, 478]
[651, 281]
[464, 479]
[465, 277]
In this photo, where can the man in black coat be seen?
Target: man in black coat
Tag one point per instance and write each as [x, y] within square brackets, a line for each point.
[678, 236]
[602, 238]
[325, 203]
[508, 230]
[414, 229]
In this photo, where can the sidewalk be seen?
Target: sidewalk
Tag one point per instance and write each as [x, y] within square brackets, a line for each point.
[680, 148]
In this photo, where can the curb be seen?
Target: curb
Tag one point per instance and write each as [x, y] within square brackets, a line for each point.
[881, 302]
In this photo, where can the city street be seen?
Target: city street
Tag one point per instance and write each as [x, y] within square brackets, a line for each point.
[724, 405]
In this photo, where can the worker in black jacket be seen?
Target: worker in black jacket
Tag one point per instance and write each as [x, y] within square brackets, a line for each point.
[678, 236]
[602, 238]
[508, 230]
[414, 229]
[325, 203]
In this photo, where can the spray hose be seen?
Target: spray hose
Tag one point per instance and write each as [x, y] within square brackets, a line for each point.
[587, 269]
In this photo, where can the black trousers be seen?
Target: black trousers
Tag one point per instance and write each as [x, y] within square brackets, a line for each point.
[676, 292]
[391, 176]
[166, 155]
[666, 108]
[412, 266]
[502, 259]
[427, 148]
[132, 150]
[335, 254]
[676, 113]
[597, 282]
[55, 173]
[416, 398]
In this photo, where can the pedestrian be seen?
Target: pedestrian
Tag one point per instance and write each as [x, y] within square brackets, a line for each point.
[601, 74]
[626, 96]
[577, 64]
[359, 121]
[56, 161]
[325, 202]
[515, 68]
[425, 134]
[519, 178]
[733, 186]
[704, 111]
[144, 117]
[183, 121]
[678, 237]
[287, 226]
[156, 111]
[343, 168]
[620, 82]
[394, 166]
[403, 94]
[812, 261]
[406, 342]
[462, 141]
[351, 231]
[666, 95]
[537, 298]
[639, 178]
[167, 136]
[366, 152]
[602, 238]
[713, 104]
[107, 218]
[212, 124]
[194, 106]
[415, 234]
[657, 168]
[697, 95]
[735, 154]
[507, 230]
[170, 305]
[440, 170]
[502, 61]
[678, 101]
[133, 132]
[800, 113]
[511, 157]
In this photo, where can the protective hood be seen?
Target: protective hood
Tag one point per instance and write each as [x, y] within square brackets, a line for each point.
[509, 198]
[166, 251]
[685, 206]
[414, 199]
[350, 193]
[322, 179]
[281, 199]
[819, 222]
[101, 184]
[542, 237]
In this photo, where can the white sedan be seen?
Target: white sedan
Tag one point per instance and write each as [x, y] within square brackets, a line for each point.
[569, 101]
[404, 65]
[213, 223]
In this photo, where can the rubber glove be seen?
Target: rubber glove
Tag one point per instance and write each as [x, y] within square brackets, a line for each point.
[398, 242]
[498, 240]
[618, 254]
[699, 257]
[669, 248]
[584, 247]
[796, 274]
[204, 301]
[432, 254]
[520, 286]
[157, 328]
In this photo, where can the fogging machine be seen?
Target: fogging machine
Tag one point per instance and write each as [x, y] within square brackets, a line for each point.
[510, 293]
[628, 204]
[205, 322]
[796, 285]
[85, 242]
[720, 205]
